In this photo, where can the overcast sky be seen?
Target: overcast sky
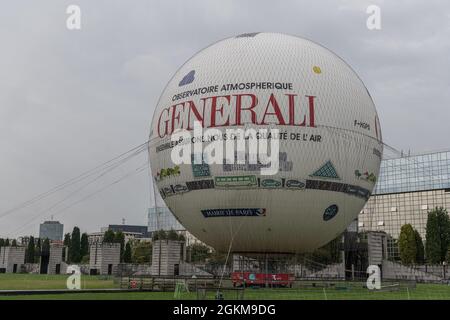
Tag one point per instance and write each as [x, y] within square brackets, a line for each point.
[70, 100]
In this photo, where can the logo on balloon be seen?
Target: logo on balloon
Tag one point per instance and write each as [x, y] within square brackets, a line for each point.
[189, 78]
[247, 212]
[330, 212]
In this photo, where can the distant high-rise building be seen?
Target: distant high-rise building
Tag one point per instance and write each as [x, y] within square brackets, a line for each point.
[408, 187]
[52, 230]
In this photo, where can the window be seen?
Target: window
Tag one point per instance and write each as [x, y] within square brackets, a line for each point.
[380, 223]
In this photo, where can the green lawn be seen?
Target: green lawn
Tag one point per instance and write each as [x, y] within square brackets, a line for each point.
[348, 291]
[10, 281]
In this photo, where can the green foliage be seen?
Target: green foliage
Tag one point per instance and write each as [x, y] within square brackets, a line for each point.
[2, 242]
[420, 250]
[37, 251]
[142, 252]
[407, 244]
[127, 253]
[75, 246]
[199, 252]
[45, 246]
[172, 235]
[84, 245]
[437, 238]
[67, 242]
[14, 243]
[109, 236]
[67, 239]
[119, 237]
[159, 235]
[30, 251]
[7, 242]
[85, 259]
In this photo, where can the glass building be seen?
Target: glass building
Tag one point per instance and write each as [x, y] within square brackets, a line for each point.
[407, 188]
[51, 230]
[161, 218]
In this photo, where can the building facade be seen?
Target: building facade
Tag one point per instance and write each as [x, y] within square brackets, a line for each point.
[11, 259]
[104, 258]
[139, 231]
[161, 218]
[52, 230]
[167, 255]
[407, 188]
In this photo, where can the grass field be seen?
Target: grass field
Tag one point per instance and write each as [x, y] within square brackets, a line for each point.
[10, 281]
[350, 292]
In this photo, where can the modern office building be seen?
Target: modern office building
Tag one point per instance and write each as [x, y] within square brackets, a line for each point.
[161, 218]
[407, 188]
[140, 231]
[52, 230]
[130, 232]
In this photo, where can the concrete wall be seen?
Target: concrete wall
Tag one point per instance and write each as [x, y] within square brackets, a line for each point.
[130, 269]
[437, 270]
[377, 247]
[392, 270]
[165, 255]
[10, 256]
[102, 255]
[55, 258]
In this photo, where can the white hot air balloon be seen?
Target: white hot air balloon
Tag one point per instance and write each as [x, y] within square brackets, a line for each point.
[330, 144]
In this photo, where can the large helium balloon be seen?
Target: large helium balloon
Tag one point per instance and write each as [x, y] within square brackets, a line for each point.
[330, 144]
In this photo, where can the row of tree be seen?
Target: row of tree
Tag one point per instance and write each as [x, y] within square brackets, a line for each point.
[78, 246]
[437, 240]
[6, 242]
[35, 248]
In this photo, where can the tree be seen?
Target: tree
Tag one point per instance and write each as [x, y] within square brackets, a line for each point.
[437, 236]
[14, 243]
[67, 239]
[2, 242]
[37, 253]
[127, 253]
[30, 251]
[7, 242]
[420, 250]
[84, 245]
[120, 238]
[159, 235]
[75, 254]
[67, 243]
[45, 246]
[142, 252]
[172, 235]
[199, 252]
[109, 236]
[407, 244]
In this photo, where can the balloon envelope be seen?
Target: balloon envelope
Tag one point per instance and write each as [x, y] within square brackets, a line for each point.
[329, 139]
